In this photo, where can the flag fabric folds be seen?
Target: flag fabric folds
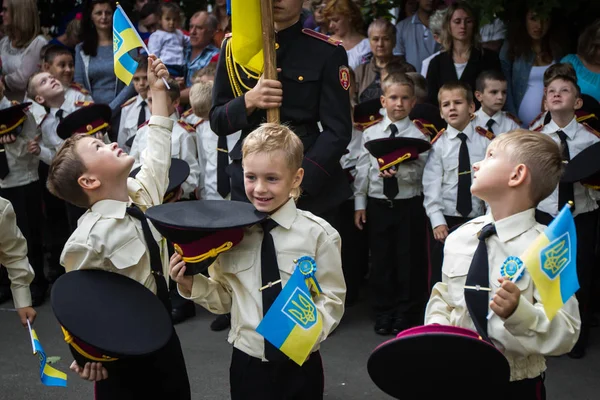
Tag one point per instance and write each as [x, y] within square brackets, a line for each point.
[246, 34]
[551, 260]
[293, 324]
[125, 39]
[49, 375]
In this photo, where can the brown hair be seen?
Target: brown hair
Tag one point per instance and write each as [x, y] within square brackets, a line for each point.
[209, 70]
[397, 79]
[24, 22]
[271, 137]
[562, 71]
[540, 154]
[174, 92]
[65, 171]
[347, 8]
[446, 34]
[457, 85]
[201, 98]
[588, 45]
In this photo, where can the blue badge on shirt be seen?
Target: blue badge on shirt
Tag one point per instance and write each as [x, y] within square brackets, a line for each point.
[510, 268]
[308, 267]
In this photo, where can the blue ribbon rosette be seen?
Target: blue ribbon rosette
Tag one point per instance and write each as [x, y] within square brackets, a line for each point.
[308, 268]
[511, 268]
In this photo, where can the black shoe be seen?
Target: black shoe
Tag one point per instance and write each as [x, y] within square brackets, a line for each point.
[182, 312]
[38, 295]
[383, 325]
[400, 324]
[5, 294]
[220, 323]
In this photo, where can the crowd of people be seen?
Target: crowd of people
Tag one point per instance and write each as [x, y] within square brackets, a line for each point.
[434, 82]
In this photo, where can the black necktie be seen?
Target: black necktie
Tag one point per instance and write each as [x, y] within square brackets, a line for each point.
[463, 198]
[4, 170]
[479, 275]
[390, 185]
[489, 125]
[155, 260]
[59, 115]
[142, 114]
[269, 271]
[223, 183]
[565, 190]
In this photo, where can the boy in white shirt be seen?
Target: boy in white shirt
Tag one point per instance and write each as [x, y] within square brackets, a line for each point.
[135, 111]
[490, 91]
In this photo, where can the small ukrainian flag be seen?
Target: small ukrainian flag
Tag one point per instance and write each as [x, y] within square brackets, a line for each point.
[49, 375]
[125, 39]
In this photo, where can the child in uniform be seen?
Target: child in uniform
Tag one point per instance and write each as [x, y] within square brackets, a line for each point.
[519, 170]
[490, 91]
[168, 42]
[114, 234]
[563, 98]
[272, 159]
[447, 176]
[391, 203]
[183, 143]
[135, 111]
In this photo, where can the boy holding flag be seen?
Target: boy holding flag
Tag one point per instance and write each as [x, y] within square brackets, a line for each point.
[481, 271]
[246, 280]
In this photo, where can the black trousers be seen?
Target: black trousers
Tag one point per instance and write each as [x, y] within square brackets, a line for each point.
[398, 279]
[27, 203]
[355, 251]
[526, 389]
[436, 249]
[585, 225]
[162, 375]
[250, 378]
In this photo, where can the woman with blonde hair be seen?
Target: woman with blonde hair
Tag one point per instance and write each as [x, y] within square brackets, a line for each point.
[346, 25]
[20, 48]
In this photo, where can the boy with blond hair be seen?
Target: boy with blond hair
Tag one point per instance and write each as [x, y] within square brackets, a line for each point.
[519, 170]
[114, 234]
[272, 160]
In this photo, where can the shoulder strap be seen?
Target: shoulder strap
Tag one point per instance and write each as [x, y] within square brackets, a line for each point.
[321, 36]
[189, 128]
[426, 128]
[440, 133]
[485, 133]
[590, 129]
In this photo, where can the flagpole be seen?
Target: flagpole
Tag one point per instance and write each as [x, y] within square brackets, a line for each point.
[140, 39]
[268, 36]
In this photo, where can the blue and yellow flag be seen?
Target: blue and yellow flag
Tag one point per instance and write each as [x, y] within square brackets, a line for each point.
[246, 34]
[49, 375]
[125, 39]
[551, 260]
[293, 324]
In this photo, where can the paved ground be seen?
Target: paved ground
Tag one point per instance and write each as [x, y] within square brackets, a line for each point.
[207, 354]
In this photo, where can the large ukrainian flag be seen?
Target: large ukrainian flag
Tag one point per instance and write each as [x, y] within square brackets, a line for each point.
[551, 260]
[125, 39]
[293, 324]
[246, 34]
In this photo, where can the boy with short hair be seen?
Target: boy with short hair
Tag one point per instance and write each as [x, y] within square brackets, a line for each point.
[447, 176]
[272, 160]
[490, 91]
[114, 234]
[563, 98]
[183, 143]
[391, 203]
[135, 111]
[519, 170]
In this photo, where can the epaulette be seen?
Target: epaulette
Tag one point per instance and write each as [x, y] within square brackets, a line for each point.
[473, 116]
[362, 126]
[584, 116]
[80, 103]
[79, 88]
[198, 123]
[539, 128]
[189, 128]
[426, 128]
[143, 125]
[514, 118]
[590, 129]
[485, 133]
[440, 133]
[536, 119]
[128, 102]
[187, 113]
[321, 36]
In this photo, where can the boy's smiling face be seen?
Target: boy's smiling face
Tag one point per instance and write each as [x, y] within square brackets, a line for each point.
[62, 67]
[268, 180]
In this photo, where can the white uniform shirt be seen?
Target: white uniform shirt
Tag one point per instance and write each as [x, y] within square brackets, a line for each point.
[207, 150]
[578, 139]
[183, 146]
[130, 112]
[50, 140]
[440, 178]
[409, 175]
[527, 335]
[502, 122]
[235, 277]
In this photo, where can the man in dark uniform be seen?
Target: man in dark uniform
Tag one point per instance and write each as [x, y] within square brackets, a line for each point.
[313, 86]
